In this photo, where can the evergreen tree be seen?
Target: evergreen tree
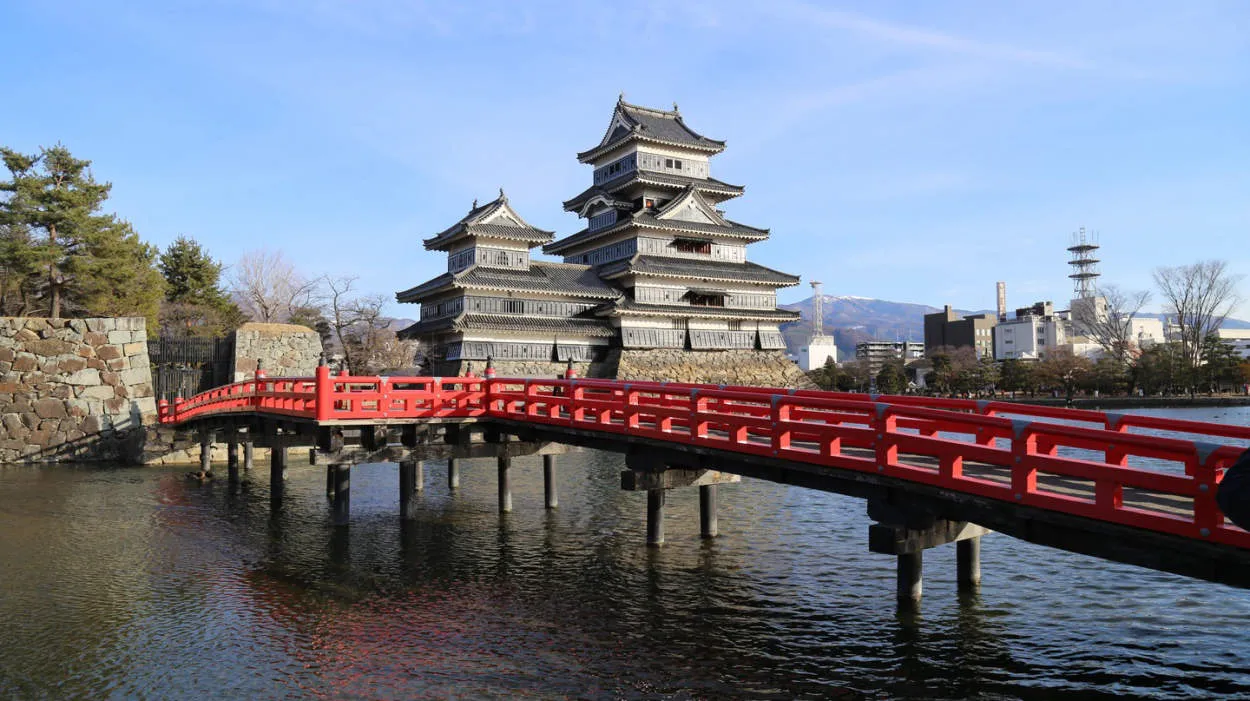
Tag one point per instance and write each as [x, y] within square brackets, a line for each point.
[114, 274]
[60, 253]
[196, 303]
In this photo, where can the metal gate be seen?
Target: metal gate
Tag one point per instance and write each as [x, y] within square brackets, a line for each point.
[182, 367]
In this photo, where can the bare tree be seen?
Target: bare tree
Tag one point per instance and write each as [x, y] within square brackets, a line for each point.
[1107, 320]
[268, 288]
[363, 333]
[1199, 297]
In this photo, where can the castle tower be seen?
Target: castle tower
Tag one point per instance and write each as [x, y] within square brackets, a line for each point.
[529, 317]
[653, 230]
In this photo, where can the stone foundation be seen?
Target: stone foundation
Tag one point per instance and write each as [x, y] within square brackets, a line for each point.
[520, 368]
[729, 367]
[74, 389]
[284, 350]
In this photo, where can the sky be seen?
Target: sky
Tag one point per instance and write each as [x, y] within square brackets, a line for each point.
[914, 152]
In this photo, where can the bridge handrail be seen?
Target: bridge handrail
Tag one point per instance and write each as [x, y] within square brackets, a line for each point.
[904, 436]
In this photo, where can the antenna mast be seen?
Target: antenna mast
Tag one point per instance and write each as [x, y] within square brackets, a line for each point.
[1084, 264]
[818, 311]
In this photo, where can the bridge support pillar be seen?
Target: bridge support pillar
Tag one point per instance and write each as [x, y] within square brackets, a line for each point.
[505, 484]
[248, 450]
[453, 473]
[908, 533]
[232, 456]
[910, 578]
[551, 493]
[277, 471]
[341, 509]
[707, 511]
[411, 473]
[206, 452]
[330, 480]
[968, 564]
[655, 517]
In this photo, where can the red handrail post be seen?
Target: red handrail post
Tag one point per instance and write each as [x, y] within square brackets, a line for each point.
[324, 394]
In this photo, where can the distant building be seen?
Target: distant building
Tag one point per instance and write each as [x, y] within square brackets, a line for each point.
[945, 328]
[817, 352]
[1144, 332]
[1034, 331]
[1239, 339]
[878, 353]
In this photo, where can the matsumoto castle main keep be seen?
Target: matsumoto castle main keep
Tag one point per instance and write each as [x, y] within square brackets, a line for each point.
[657, 285]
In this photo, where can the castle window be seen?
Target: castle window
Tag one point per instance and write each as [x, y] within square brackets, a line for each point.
[513, 306]
[706, 298]
[693, 246]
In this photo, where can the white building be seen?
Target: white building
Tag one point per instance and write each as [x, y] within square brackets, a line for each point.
[1034, 331]
[1239, 339]
[817, 352]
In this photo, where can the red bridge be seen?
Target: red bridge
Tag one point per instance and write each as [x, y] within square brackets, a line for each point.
[1130, 488]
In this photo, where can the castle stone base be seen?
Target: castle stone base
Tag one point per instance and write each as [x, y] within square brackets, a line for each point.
[730, 367]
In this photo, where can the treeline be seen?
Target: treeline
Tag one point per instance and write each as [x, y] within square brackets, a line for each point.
[63, 256]
[1197, 300]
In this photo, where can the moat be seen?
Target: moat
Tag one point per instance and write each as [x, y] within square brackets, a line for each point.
[137, 583]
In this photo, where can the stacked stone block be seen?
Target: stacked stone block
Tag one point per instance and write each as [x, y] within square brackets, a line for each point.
[73, 389]
[283, 350]
[731, 367]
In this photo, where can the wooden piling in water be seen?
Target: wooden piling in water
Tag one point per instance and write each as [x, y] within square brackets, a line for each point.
[551, 494]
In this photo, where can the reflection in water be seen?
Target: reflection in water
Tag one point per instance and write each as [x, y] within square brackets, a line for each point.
[138, 583]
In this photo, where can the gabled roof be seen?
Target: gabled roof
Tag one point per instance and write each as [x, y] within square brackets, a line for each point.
[541, 277]
[495, 219]
[689, 206]
[646, 220]
[711, 188]
[635, 122]
[628, 307]
[571, 326]
[697, 269]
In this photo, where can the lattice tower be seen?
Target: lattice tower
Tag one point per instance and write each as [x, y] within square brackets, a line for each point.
[1084, 264]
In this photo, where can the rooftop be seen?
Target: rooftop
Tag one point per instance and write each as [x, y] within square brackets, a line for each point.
[694, 268]
[495, 219]
[541, 277]
[635, 122]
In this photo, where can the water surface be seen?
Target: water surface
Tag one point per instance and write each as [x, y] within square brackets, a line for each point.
[137, 583]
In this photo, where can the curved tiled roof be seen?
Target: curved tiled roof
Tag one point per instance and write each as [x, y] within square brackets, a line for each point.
[648, 124]
[647, 220]
[630, 307]
[663, 266]
[472, 225]
[707, 186]
[541, 277]
[578, 326]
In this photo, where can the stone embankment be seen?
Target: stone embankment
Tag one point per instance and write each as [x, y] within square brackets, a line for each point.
[73, 389]
[283, 350]
[730, 367]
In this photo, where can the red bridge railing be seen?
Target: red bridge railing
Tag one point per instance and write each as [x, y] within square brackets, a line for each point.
[996, 450]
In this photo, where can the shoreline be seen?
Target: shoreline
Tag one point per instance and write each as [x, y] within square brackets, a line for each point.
[1100, 403]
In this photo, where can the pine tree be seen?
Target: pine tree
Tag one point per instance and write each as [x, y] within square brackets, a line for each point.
[60, 254]
[196, 304]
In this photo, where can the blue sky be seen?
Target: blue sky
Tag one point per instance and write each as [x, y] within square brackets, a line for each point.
[915, 152]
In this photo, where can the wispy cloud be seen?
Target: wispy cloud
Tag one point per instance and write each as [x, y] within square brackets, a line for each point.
[918, 37]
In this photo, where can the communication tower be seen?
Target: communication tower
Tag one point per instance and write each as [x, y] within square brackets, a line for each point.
[1084, 264]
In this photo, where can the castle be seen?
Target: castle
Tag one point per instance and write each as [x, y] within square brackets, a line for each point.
[657, 285]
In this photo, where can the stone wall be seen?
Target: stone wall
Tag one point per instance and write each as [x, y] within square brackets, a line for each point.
[284, 350]
[74, 389]
[730, 367]
[519, 368]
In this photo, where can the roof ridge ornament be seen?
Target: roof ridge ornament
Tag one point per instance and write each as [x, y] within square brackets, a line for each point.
[675, 107]
[502, 197]
[474, 203]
